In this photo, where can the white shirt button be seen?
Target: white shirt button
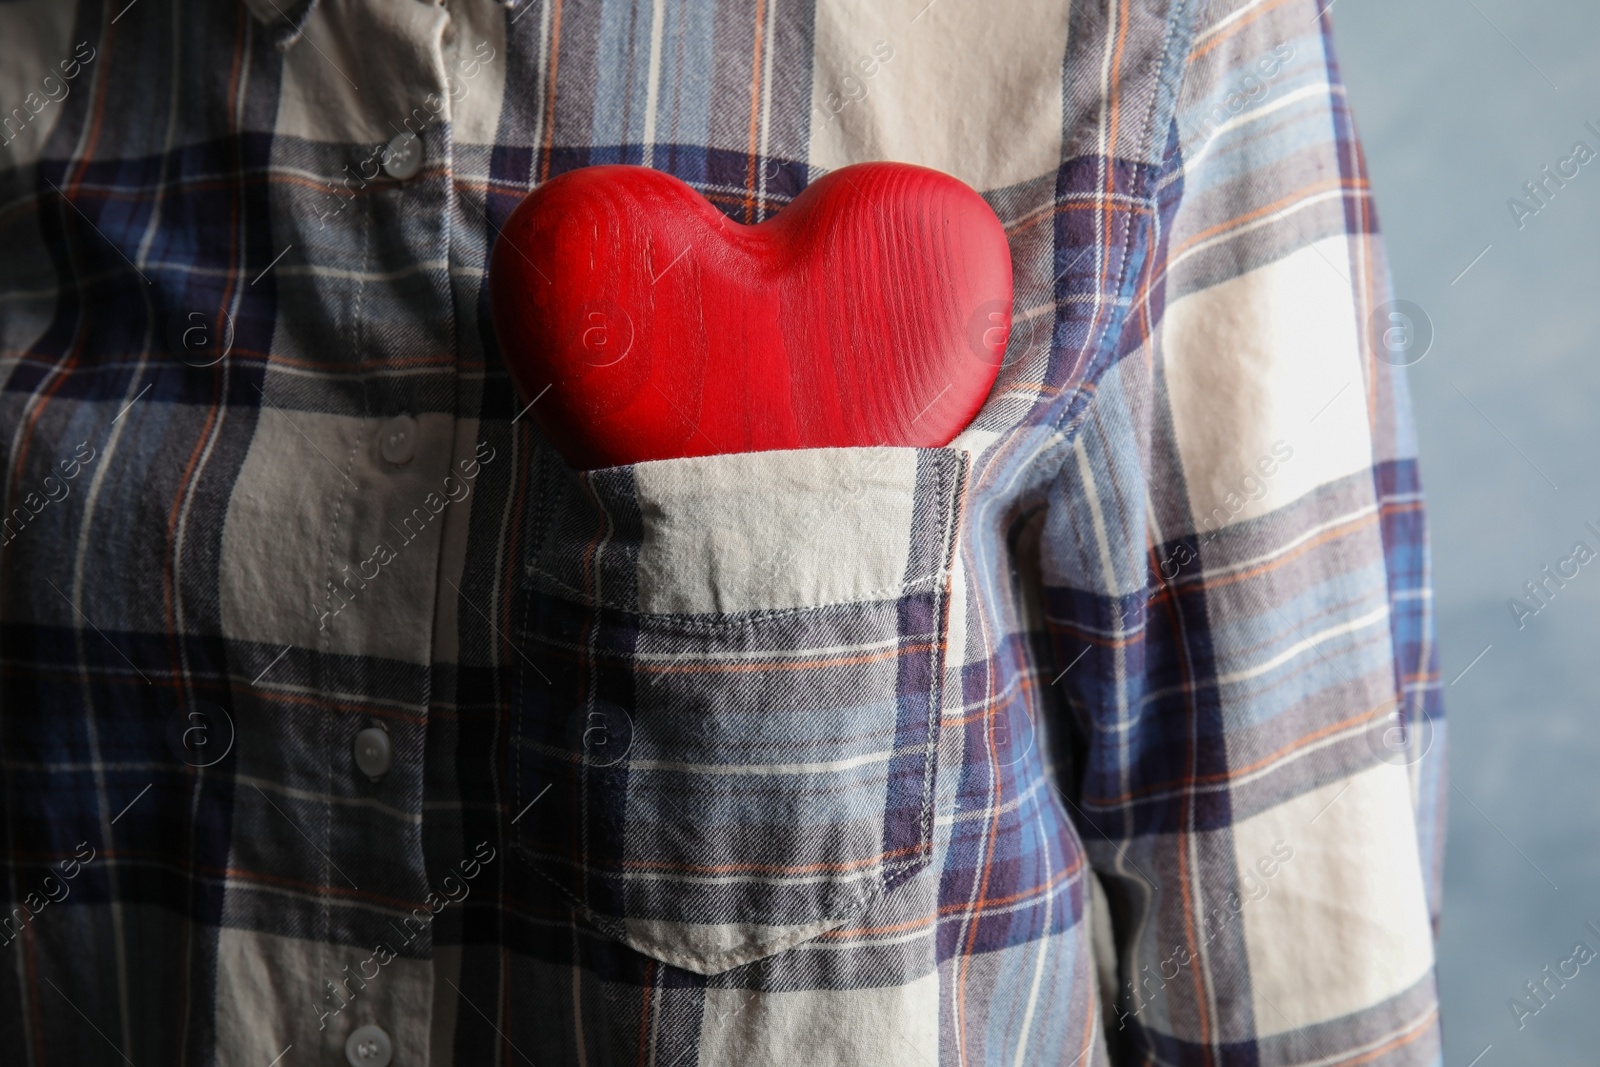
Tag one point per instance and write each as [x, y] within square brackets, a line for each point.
[368, 1047]
[374, 754]
[398, 439]
[403, 156]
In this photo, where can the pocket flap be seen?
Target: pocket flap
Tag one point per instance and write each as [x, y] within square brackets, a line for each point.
[759, 531]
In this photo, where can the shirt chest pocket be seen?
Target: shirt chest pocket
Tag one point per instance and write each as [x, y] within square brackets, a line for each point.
[729, 709]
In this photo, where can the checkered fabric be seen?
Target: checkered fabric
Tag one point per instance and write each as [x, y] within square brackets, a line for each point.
[1109, 734]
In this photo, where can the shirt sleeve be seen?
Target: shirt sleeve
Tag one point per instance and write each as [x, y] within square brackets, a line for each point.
[1237, 593]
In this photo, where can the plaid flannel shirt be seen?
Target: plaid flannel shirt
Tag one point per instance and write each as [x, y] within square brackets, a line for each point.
[1108, 734]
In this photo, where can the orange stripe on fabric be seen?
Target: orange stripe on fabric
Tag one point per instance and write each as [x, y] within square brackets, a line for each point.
[1188, 838]
[79, 168]
[1206, 48]
[1132, 206]
[755, 112]
[1333, 534]
[844, 933]
[990, 839]
[1202, 584]
[550, 94]
[1226, 776]
[1420, 1028]
[1364, 299]
[186, 483]
[1276, 207]
[35, 413]
[1114, 121]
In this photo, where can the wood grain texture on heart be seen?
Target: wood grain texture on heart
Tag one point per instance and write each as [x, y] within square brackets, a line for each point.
[872, 310]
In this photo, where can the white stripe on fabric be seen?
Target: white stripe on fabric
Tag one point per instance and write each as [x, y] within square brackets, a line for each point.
[316, 797]
[658, 13]
[1231, 783]
[1377, 615]
[1266, 220]
[761, 770]
[1318, 90]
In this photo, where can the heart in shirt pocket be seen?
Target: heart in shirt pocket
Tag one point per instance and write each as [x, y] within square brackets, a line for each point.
[729, 709]
[872, 310]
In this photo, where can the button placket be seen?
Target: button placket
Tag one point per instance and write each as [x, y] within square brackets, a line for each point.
[375, 249]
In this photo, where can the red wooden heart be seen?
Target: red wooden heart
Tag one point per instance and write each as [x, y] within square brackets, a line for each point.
[874, 309]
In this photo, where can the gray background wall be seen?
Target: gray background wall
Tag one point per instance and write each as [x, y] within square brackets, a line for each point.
[1460, 102]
